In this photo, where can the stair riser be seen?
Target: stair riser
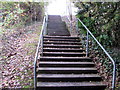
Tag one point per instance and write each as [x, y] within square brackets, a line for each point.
[70, 40]
[75, 79]
[59, 41]
[61, 37]
[64, 55]
[76, 47]
[59, 50]
[67, 71]
[73, 88]
[66, 65]
[62, 43]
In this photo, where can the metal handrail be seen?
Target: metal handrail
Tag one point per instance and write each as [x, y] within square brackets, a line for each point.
[40, 43]
[113, 62]
[89, 33]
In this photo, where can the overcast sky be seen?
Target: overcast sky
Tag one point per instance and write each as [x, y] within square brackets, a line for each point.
[58, 7]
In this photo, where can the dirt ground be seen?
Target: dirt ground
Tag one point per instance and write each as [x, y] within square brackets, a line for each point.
[17, 56]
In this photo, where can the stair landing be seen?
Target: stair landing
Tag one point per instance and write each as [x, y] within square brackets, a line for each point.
[56, 27]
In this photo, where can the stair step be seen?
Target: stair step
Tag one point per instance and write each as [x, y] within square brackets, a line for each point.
[58, 39]
[54, 17]
[57, 27]
[62, 37]
[56, 32]
[62, 46]
[54, 21]
[57, 42]
[71, 85]
[68, 77]
[68, 54]
[53, 24]
[72, 42]
[62, 50]
[65, 59]
[68, 70]
[65, 64]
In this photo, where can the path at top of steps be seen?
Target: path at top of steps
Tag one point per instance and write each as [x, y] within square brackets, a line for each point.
[56, 27]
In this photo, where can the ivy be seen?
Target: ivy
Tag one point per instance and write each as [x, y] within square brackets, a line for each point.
[102, 19]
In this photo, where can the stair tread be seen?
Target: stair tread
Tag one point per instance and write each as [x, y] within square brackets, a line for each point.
[65, 68]
[60, 37]
[67, 75]
[65, 57]
[63, 50]
[42, 62]
[64, 41]
[69, 84]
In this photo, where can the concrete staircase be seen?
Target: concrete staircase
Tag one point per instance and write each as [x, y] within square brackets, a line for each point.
[64, 64]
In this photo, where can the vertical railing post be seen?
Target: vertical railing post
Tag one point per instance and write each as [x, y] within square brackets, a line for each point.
[77, 26]
[42, 45]
[87, 41]
[46, 24]
[114, 76]
[70, 26]
[45, 27]
[35, 81]
[44, 31]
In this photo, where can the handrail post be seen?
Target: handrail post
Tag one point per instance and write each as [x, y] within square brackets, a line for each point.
[70, 26]
[35, 83]
[87, 41]
[77, 26]
[46, 24]
[42, 44]
[45, 27]
[114, 76]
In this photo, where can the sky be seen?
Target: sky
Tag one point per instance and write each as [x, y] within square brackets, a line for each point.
[58, 7]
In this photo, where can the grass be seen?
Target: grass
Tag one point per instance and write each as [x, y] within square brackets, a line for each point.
[30, 45]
